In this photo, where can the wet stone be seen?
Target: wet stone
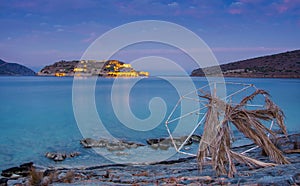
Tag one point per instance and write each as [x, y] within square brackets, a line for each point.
[3, 181]
[57, 156]
[22, 170]
[296, 178]
[109, 145]
[16, 182]
[61, 176]
[278, 181]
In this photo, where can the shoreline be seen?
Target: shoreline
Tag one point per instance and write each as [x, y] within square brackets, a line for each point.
[186, 171]
[181, 171]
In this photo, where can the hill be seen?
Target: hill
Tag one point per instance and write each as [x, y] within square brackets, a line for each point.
[104, 68]
[59, 67]
[14, 69]
[282, 65]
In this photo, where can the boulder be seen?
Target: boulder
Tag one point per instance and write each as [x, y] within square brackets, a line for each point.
[23, 170]
[3, 181]
[56, 156]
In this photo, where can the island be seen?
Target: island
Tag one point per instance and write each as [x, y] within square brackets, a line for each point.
[105, 68]
[14, 69]
[282, 65]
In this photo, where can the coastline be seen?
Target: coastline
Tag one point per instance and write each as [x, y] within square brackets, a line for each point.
[246, 76]
[183, 171]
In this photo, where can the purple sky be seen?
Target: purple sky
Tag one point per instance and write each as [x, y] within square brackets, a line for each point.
[37, 33]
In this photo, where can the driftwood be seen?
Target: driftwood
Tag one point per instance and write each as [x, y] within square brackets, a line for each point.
[216, 139]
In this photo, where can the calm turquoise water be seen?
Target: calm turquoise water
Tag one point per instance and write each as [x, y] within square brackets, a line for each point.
[36, 114]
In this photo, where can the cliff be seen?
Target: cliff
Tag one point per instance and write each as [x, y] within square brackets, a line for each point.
[282, 65]
[14, 69]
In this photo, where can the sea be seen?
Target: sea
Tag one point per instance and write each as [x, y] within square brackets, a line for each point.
[52, 114]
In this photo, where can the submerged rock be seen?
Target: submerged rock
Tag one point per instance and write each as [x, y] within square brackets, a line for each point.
[89, 142]
[165, 143]
[109, 145]
[56, 156]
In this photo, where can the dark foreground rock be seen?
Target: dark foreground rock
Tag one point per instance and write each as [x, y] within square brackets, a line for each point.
[15, 172]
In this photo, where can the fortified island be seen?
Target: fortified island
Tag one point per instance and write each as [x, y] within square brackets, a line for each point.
[85, 68]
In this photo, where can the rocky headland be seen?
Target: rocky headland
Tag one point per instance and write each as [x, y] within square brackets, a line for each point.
[14, 69]
[282, 65]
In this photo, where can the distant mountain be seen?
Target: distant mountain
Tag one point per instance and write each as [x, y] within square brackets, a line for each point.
[282, 65]
[14, 69]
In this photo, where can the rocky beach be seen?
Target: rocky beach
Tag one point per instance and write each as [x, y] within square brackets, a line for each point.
[184, 171]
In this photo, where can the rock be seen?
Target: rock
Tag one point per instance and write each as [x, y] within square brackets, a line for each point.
[122, 153]
[48, 172]
[109, 145]
[61, 176]
[3, 181]
[154, 146]
[22, 170]
[89, 142]
[45, 181]
[129, 144]
[277, 180]
[73, 154]
[15, 176]
[287, 144]
[56, 156]
[152, 141]
[164, 146]
[296, 178]
[60, 157]
[15, 182]
[165, 143]
[50, 155]
[290, 142]
[115, 147]
[196, 138]
[28, 165]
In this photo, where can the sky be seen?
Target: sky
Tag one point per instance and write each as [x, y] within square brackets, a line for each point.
[36, 33]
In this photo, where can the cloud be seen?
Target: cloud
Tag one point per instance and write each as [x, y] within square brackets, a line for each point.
[287, 6]
[236, 8]
[60, 30]
[235, 11]
[173, 4]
